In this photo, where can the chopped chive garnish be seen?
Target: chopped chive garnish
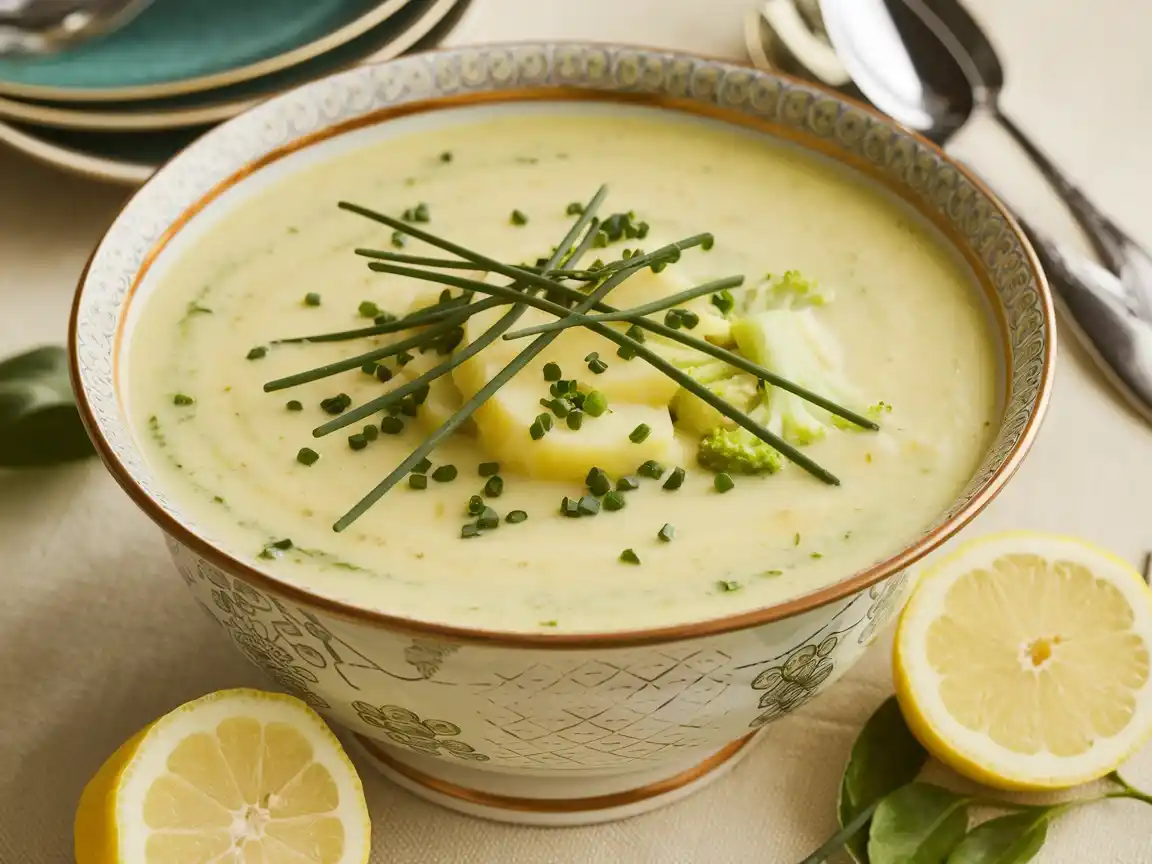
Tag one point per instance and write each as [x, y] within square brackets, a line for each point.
[545, 420]
[552, 372]
[689, 319]
[627, 484]
[629, 556]
[588, 506]
[598, 482]
[595, 403]
[444, 474]
[307, 456]
[404, 358]
[708, 243]
[559, 406]
[642, 230]
[398, 240]
[475, 505]
[515, 517]
[724, 301]
[391, 425]
[182, 399]
[258, 352]
[772, 573]
[667, 532]
[384, 318]
[575, 419]
[724, 483]
[419, 213]
[640, 433]
[494, 488]
[536, 431]
[368, 368]
[570, 507]
[487, 469]
[598, 366]
[384, 374]
[588, 358]
[311, 299]
[489, 518]
[636, 333]
[816, 555]
[357, 441]
[370, 432]
[613, 501]
[651, 469]
[420, 396]
[796, 539]
[626, 353]
[417, 481]
[675, 480]
[422, 466]
[368, 309]
[574, 209]
[446, 156]
[672, 319]
[408, 406]
[518, 217]
[728, 585]
[469, 531]
[294, 405]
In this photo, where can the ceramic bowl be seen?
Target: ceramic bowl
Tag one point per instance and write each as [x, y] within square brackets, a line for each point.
[564, 728]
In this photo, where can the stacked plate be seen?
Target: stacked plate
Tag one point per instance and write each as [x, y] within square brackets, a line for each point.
[119, 106]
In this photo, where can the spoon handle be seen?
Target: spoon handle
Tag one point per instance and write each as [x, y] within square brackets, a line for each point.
[1119, 251]
[1118, 338]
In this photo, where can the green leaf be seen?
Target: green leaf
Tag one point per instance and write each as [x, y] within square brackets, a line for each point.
[39, 423]
[918, 824]
[1007, 840]
[884, 758]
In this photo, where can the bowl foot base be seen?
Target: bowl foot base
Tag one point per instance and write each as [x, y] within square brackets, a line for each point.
[533, 801]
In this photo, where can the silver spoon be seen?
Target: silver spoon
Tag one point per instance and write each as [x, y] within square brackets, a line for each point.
[1097, 304]
[927, 61]
[45, 26]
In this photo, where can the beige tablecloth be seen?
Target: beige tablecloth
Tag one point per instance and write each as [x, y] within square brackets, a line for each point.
[97, 637]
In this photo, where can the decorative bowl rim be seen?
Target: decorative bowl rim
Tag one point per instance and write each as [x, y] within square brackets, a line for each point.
[858, 581]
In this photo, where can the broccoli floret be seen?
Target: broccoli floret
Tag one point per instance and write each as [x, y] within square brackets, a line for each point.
[772, 324]
[735, 450]
[791, 343]
[790, 291]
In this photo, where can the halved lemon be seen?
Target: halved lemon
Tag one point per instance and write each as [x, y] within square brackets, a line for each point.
[237, 777]
[1022, 661]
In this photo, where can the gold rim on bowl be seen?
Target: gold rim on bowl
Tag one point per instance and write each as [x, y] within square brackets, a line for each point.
[859, 581]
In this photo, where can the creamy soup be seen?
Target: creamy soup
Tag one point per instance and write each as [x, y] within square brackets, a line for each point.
[883, 314]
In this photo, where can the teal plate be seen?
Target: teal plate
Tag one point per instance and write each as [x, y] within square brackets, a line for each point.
[183, 46]
[419, 21]
[130, 157]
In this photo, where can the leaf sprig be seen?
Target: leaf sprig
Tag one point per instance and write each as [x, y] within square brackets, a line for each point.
[39, 424]
[541, 287]
[887, 816]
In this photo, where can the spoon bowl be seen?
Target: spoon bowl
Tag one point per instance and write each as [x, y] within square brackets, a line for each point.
[47, 26]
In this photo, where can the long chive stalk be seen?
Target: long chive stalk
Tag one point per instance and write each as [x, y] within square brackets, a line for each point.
[471, 405]
[518, 273]
[420, 318]
[508, 293]
[640, 350]
[644, 309]
[355, 362]
[452, 264]
[701, 345]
